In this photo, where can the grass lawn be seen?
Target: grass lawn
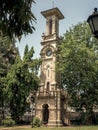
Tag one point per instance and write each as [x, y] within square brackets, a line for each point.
[46, 128]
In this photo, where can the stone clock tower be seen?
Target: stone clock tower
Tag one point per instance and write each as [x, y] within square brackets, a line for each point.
[48, 103]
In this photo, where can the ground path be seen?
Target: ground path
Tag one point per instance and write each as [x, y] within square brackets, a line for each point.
[15, 127]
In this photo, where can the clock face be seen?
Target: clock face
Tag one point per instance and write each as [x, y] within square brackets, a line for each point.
[49, 52]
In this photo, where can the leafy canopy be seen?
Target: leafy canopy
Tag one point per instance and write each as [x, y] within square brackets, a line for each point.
[16, 17]
[8, 53]
[21, 80]
[78, 65]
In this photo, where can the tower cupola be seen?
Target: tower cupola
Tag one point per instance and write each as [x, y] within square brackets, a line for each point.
[52, 20]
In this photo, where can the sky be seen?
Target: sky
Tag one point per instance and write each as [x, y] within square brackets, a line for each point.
[74, 11]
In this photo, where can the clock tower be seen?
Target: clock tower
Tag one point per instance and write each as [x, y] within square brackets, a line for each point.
[48, 102]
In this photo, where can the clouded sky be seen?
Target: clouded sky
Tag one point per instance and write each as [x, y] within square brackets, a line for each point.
[74, 11]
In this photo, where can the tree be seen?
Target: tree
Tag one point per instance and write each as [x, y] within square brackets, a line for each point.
[78, 66]
[21, 79]
[8, 52]
[16, 17]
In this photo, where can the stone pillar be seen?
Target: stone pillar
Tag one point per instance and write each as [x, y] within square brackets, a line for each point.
[47, 27]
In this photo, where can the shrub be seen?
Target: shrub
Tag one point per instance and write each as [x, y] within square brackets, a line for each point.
[36, 122]
[8, 122]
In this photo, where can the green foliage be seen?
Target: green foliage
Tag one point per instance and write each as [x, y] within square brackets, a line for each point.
[8, 53]
[8, 122]
[78, 66]
[21, 79]
[36, 122]
[16, 17]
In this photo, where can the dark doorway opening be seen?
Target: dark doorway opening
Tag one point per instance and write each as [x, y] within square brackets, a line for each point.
[45, 114]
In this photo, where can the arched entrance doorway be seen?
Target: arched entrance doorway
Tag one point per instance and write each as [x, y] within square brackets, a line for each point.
[45, 114]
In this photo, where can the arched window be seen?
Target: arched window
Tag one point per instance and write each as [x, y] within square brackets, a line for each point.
[56, 26]
[50, 26]
[48, 68]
